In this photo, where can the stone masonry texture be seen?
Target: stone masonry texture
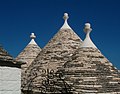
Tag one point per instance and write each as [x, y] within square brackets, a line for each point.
[54, 54]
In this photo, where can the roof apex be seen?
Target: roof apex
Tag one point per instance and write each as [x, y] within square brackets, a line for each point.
[65, 25]
[87, 41]
[32, 36]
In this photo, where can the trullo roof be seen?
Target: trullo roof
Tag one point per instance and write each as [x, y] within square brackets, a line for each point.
[30, 52]
[56, 52]
[88, 71]
[28, 55]
[7, 60]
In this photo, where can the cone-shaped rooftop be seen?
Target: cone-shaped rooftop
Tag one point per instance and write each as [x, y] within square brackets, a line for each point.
[30, 52]
[58, 49]
[7, 60]
[63, 44]
[4, 55]
[88, 71]
[32, 36]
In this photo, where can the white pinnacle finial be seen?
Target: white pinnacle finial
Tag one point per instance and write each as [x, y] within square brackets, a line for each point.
[65, 17]
[88, 42]
[32, 36]
[87, 28]
[65, 25]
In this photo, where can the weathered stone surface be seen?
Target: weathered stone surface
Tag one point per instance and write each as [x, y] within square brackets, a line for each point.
[89, 72]
[4, 55]
[29, 53]
[7, 60]
[61, 46]
[83, 68]
[55, 53]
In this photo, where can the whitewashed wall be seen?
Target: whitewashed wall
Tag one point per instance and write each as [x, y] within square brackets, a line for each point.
[10, 80]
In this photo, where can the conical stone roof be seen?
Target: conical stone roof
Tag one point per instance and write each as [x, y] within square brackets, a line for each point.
[7, 60]
[56, 52]
[4, 55]
[88, 71]
[62, 45]
[29, 53]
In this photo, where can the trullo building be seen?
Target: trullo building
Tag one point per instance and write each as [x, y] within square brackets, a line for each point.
[28, 55]
[88, 71]
[54, 54]
[10, 74]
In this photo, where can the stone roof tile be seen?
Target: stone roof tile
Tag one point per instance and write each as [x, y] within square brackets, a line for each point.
[56, 52]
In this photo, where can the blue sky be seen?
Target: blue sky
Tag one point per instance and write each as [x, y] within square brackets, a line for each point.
[19, 18]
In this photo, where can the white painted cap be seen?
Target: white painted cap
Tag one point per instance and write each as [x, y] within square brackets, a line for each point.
[87, 41]
[87, 28]
[32, 36]
[65, 25]
[87, 25]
